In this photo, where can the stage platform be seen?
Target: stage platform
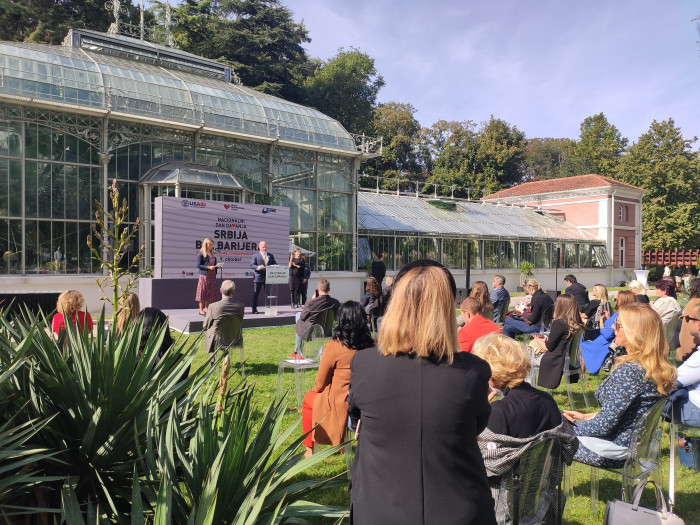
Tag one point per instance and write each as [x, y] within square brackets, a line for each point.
[188, 321]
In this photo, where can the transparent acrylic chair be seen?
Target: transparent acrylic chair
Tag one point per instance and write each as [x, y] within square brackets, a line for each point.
[309, 357]
[642, 461]
[572, 367]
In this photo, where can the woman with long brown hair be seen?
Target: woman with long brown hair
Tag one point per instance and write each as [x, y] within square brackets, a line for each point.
[421, 404]
[480, 292]
[551, 351]
[637, 382]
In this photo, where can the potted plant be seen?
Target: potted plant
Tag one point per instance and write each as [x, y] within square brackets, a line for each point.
[526, 271]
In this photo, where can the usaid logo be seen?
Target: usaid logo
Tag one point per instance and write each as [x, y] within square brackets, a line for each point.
[193, 204]
[269, 210]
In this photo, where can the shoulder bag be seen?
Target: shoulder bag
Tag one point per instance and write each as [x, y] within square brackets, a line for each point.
[618, 512]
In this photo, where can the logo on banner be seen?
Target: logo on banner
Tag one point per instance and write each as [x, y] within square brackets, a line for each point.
[193, 204]
[269, 210]
[227, 206]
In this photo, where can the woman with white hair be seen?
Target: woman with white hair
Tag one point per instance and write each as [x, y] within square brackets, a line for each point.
[639, 290]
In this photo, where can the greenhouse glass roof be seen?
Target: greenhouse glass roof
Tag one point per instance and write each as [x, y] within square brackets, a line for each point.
[391, 214]
[130, 77]
[192, 174]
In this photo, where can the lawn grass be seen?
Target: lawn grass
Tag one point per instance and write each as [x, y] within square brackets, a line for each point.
[265, 347]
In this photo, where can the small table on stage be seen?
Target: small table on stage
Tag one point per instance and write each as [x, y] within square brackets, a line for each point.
[276, 275]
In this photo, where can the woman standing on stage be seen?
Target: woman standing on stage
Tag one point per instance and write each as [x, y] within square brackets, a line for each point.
[206, 287]
[296, 276]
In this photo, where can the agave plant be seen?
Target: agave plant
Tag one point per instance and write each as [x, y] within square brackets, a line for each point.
[207, 466]
[95, 396]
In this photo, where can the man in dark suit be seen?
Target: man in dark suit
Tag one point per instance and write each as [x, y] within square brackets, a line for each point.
[305, 280]
[575, 288]
[320, 302]
[259, 262]
[379, 268]
[218, 311]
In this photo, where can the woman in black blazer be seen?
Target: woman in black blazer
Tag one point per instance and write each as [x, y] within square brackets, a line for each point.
[550, 352]
[421, 404]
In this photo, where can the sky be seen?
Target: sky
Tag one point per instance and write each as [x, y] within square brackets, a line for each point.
[541, 65]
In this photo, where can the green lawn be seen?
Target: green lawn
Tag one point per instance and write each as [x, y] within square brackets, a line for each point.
[265, 347]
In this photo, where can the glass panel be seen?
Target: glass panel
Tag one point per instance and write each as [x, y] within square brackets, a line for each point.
[491, 250]
[31, 246]
[406, 250]
[508, 258]
[293, 168]
[10, 138]
[569, 255]
[527, 252]
[335, 212]
[454, 253]
[302, 207]
[600, 257]
[30, 189]
[475, 254]
[15, 188]
[334, 252]
[11, 246]
[428, 249]
[46, 253]
[51, 202]
[4, 187]
[541, 255]
[307, 241]
[334, 172]
[584, 251]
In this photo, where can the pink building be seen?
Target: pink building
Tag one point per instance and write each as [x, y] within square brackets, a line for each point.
[609, 209]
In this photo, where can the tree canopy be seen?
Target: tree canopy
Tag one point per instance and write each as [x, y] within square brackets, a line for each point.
[662, 163]
[599, 147]
[345, 88]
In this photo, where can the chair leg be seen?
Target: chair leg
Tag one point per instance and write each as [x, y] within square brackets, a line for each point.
[594, 490]
[569, 392]
[582, 379]
[242, 364]
[280, 379]
[299, 383]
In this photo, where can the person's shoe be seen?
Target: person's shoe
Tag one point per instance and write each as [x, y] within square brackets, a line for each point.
[254, 312]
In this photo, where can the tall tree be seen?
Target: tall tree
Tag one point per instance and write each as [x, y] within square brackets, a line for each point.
[599, 147]
[345, 88]
[258, 38]
[399, 129]
[501, 151]
[662, 163]
[48, 21]
[547, 159]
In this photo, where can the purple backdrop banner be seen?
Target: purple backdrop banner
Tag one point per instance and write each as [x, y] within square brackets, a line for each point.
[236, 229]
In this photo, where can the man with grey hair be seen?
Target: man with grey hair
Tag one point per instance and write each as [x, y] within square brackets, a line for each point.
[499, 295]
[218, 311]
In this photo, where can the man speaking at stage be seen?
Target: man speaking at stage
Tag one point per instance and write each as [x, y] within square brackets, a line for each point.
[259, 262]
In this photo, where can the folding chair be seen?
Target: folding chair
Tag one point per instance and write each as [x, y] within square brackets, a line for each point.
[229, 334]
[572, 366]
[642, 461]
[530, 492]
[312, 342]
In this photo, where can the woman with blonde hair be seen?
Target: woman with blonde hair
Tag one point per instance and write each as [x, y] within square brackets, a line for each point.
[421, 404]
[70, 306]
[550, 352]
[639, 291]
[594, 310]
[637, 382]
[206, 287]
[524, 415]
[480, 292]
[531, 318]
[129, 308]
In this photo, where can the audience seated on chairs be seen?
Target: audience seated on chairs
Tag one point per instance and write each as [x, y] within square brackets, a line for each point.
[216, 314]
[593, 312]
[499, 296]
[320, 302]
[637, 382]
[594, 352]
[550, 351]
[129, 309]
[524, 415]
[475, 324]
[666, 304]
[639, 291]
[480, 292]
[531, 320]
[689, 371]
[421, 404]
[325, 406]
[70, 306]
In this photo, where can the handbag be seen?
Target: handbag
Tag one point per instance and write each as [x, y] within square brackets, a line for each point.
[618, 512]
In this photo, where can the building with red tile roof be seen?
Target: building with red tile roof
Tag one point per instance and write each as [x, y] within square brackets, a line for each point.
[610, 209]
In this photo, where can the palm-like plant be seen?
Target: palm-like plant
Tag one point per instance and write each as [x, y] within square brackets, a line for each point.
[97, 395]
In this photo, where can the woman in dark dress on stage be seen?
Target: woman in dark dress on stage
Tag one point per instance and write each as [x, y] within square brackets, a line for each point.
[206, 287]
[296, 277]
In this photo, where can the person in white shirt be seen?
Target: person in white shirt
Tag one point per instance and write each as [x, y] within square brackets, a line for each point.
[689, 372]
